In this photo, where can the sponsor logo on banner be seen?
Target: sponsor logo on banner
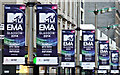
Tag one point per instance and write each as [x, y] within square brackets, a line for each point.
[14, 33]
[114, 71]
[102, 71]
[88, 49]
[47, 60]
[68, 64]
[88, 65]
[68, 48]
[46, 33]
[104, 55]
[14, 60]
[114, 61]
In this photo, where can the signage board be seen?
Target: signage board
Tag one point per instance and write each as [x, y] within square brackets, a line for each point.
[103, 55]
[14, 34]
[46, 40]
[114, 61]
[68, 48]
[88, 49]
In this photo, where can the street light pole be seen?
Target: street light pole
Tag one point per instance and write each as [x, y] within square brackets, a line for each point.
[78, 37]
[96, 51]
[96, 11]
[31, 4]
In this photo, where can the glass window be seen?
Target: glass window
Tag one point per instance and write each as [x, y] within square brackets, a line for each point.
[81, 15]
[63, 7]
[68, 8]
[81, 4]
[72, 10]
[59, 4]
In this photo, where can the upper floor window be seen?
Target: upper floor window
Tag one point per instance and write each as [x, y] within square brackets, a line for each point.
[68, 8]
[72, 9]
[81, 4]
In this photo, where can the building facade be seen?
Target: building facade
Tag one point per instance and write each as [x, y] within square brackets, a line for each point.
[67, 14]
[117, 21]
[67, 18]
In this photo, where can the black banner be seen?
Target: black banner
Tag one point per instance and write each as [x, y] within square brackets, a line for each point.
[46, 34]
[14, 40]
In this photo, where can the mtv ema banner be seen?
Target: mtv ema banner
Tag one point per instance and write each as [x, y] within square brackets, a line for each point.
[68, 48]
[114, 61]
[14, 40]
[88, 49]
[103, 55]
[46, 35]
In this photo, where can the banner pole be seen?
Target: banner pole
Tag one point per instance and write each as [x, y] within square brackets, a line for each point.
[78, 38]
[96, 40]
[30, 33]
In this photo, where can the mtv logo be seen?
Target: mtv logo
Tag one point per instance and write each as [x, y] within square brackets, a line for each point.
[103, 46]
[88, 38]
[14, 17]
[114, 55]
[68, 37]
[46, 17]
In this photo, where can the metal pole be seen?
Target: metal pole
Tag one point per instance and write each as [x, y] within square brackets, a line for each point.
[78, 37]
[30, 45]
[96, 51]
[30, 33]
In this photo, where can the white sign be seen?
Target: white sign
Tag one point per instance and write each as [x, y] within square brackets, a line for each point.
[102, 71]
[114, 71]
[1, 26]
[104, 67]
[88, 65]
[6, 71]
[14, 60]
[47, 60]
[80, 57]
[67, 64]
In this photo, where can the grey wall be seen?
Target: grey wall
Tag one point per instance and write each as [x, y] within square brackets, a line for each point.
[103, 19]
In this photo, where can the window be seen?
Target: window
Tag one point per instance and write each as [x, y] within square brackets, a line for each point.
[81, 4]
[72, 10]
[81, 15]
[100, 34]
[68, 8]
[59, 4]
[63, 7]
[81, 21]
